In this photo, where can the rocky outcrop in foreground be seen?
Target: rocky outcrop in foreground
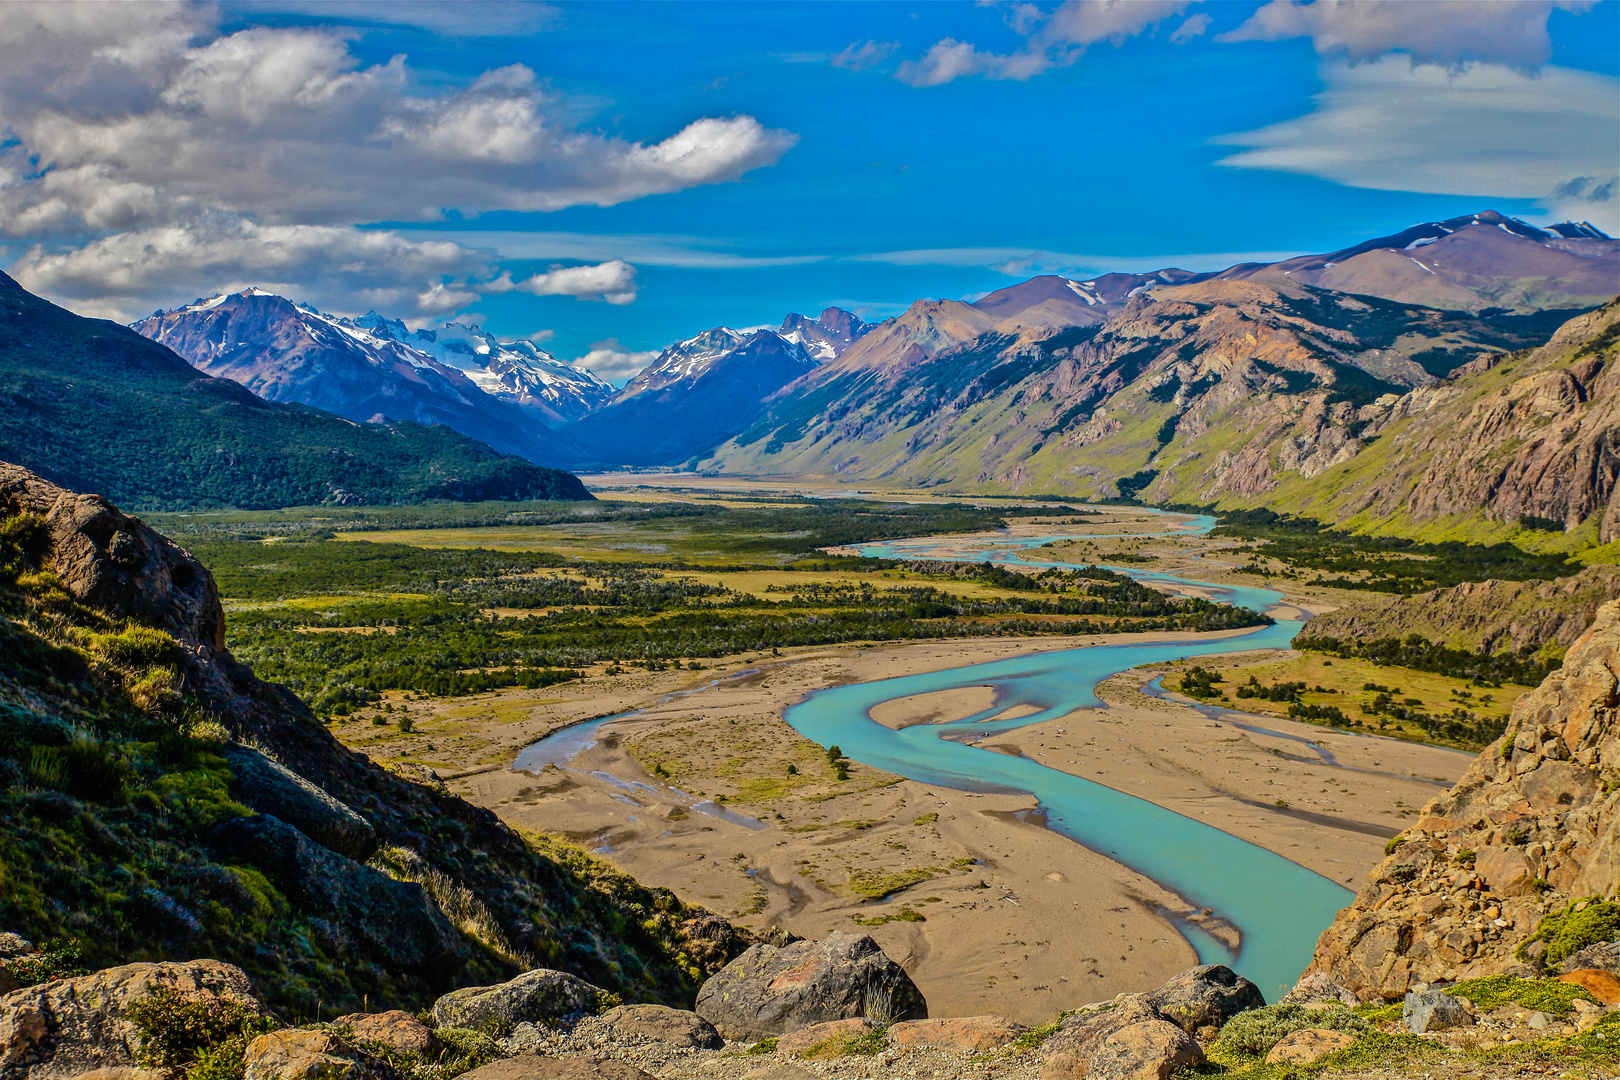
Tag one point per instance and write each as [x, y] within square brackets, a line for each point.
[1532, 830]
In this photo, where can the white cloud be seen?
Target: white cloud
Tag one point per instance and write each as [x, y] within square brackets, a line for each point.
[1054, 39]
[860, 55]
[688, 252]
[613, 282]
[1025, 262]
[122, 123]
[1193, 27]
[614, 362]
[1445, 32]
[452, 18]
[1485, 131]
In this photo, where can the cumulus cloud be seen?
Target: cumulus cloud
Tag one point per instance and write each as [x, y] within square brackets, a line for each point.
[1510, 32]
[613, 362]
[126, 125]
[1054, 39]
[613, 282]
[1486, 130]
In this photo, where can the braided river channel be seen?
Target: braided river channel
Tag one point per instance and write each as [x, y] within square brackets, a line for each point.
[1277, 906]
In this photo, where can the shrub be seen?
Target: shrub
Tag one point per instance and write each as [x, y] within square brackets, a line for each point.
[85, 768]
[1255, 1032]
[59, 959]
[181, 1031]
[1568, 931]
[1542, 995]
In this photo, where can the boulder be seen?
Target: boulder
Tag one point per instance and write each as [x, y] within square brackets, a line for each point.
[1601, 984]
[1604, 956]
[271, 788]
[8, 981]
[1152, 1050]
[1205, 996]
[1319, 989]
[1067, 1053]
[395, 1029]
[965, 1034]
[541, 996]
[771, 990]
[1433, 1010]
[67, 1027]
[534, 1067]
[13, 946]
[1308, 1045]
[394, 921]
[291, 1054]
[806, 1039]
[660, 1023]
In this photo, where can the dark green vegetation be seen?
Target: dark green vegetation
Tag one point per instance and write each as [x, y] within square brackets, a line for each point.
[701, 532]
[1419, 653]
[95, 407]
[479, 620]
[1388, 564]
[113, 781]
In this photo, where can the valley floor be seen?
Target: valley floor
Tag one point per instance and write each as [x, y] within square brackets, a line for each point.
[987, 910]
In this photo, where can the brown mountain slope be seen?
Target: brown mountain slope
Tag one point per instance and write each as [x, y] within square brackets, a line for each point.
[1216, 389]
[1532, 826]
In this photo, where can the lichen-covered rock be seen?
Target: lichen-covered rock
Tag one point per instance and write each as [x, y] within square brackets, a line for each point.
[1433, 1010]
[1151, 1050]
[803, 1041]
[1317, 988]
[271, 788]
[1308, 1045]
[771, 991]
[292, 1054]
[64, 1028]
[541, 996]
[14, 945]
[662, 1024]
[1604, 986]
[1067, 1054]
[1205, 996]
[1529, 828]
[395, 1029]
[964, 1034]
[395, 921]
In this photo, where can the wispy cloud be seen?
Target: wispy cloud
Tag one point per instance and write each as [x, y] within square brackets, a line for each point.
[1486, 130]
[1449, 33]
[1024, 262]
[695, 253]
[860, 55]
[1052, 39]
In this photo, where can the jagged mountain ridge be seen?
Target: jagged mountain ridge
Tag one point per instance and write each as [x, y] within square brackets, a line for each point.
[96, 406]
[364, 370]
[1218, 385]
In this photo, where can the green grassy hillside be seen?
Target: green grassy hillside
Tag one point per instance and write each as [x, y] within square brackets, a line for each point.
[96, 407]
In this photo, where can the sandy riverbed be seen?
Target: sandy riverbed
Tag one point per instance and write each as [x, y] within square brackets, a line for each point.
[1001, 915]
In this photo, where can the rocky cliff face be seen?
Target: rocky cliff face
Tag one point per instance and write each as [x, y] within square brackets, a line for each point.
[1483, 616]
[1532, 826]
[158, 801]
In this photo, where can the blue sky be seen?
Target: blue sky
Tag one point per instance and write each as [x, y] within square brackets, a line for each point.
[612, 177]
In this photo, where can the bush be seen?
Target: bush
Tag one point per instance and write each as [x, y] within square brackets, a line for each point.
[1255, 1032]
[59, 959]
[181, 1031]
[1568, 931]
[1541, 995]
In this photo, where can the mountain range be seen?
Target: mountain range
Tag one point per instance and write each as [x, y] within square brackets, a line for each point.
[96, 407]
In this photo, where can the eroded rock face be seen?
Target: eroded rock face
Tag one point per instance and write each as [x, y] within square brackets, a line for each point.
[1151, 1050]
[393, 920]
[1067, 1054]
[1528, 828]
[65, 1028]
[541, 996]
[112, 561]
[771, 991]
[271, 788]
